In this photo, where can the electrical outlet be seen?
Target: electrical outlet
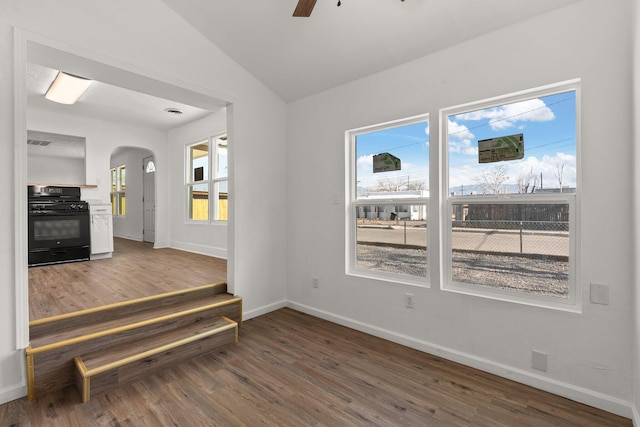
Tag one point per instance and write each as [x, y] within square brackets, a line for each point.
[539, 360]
[408, 300]
[316, 283]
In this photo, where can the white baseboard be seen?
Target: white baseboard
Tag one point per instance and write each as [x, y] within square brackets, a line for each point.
[579, 394]
[101, 256]
[246, 315]
[129, 237]
[200, 249]
[159, 244]
[13, 392]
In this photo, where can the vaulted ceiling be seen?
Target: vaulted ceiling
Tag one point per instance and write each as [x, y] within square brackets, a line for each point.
[297, 57]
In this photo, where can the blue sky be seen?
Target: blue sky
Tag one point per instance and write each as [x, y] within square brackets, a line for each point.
[547, 123]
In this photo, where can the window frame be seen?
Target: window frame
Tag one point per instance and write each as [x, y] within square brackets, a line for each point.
[118, 193]
[573, 302]
[212, 180]
[352, 203]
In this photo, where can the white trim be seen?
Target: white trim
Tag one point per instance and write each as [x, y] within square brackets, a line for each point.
[199, 249]
[20, 187]
[635, 415]
[551, 89]
[14, 392]
[598, 400]
[246, 315]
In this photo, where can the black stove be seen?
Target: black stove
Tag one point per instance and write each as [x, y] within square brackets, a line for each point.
[59, 226]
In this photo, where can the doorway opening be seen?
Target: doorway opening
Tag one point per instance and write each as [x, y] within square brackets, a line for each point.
[96, 186]
[149, 200]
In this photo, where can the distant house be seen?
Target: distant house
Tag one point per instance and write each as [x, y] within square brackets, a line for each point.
[393, 208]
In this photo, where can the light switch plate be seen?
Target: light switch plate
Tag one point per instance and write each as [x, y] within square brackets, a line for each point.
[539, 360]
[599, 294]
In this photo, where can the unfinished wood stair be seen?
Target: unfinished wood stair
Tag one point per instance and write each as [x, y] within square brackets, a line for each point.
[104, 347]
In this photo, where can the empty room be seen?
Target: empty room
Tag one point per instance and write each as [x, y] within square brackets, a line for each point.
[397, 212]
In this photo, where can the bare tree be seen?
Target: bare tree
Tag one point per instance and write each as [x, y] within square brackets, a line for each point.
[390, 184]
[399, 184]
[415, 185]
[560, 164]
[491, 181]
[526, 181]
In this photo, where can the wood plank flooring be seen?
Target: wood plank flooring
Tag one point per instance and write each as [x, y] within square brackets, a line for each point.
[288, 368]
[135, 270]
[291, 369]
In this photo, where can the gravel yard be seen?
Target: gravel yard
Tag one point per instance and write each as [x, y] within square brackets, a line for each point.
[528, 275]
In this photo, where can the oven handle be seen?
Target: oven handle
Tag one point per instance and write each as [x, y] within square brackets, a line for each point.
[57, 213]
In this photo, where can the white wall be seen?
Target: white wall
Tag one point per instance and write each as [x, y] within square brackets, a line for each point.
[636, 209]
[111, 33]
[590, 354]
[55, 170]
[131, 224]
[209, 239]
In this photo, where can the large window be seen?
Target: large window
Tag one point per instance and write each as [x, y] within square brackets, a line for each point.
[511, 178]
[118, 188]
[507, 208]
[389, 193]
[207, 193]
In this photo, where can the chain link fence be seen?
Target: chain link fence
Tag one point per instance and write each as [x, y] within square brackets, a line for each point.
[530, 256]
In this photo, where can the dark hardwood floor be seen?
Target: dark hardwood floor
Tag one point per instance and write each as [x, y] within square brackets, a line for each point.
[291, 369]
[288, 368]
[135, 270]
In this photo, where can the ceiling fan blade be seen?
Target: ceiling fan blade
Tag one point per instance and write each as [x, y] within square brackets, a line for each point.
[304, 8]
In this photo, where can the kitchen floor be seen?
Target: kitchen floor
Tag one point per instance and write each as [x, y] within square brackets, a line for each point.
[136, 270]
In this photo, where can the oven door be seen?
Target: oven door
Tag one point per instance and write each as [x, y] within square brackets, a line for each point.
[58, 237]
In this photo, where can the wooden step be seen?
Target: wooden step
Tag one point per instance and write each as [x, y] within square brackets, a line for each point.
[50, 358]
[73, 320]
[104, 370]
[91, 328]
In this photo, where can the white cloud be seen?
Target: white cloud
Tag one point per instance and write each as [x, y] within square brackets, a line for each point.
[506, 116]
[460, 139]
[365, 162]
[546, 169]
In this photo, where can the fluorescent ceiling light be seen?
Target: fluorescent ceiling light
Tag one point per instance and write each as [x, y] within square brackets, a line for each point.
[67, 88]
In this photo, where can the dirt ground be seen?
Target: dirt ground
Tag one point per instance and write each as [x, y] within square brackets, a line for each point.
[527, 275]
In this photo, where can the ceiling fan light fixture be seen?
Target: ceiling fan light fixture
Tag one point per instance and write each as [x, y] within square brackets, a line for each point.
[175, 111]
[67, 88]
[304, 8]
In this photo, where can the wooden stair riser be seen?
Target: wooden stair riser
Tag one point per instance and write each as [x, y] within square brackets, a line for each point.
[71, 320]
[53, 369]
[90, 385]
[231, 309]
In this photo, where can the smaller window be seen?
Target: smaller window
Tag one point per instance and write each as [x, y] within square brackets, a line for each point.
[151, 167]
[207, 180]
[389, 196]
[197, 181]
[118, 187]
[221, 180]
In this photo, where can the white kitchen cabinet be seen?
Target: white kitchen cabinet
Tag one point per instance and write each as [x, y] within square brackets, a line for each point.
[101, 231]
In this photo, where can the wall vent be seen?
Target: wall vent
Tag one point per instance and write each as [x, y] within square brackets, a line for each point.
[38, 142]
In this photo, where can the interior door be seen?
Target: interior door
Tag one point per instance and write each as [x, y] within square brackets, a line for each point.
[149, 200]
